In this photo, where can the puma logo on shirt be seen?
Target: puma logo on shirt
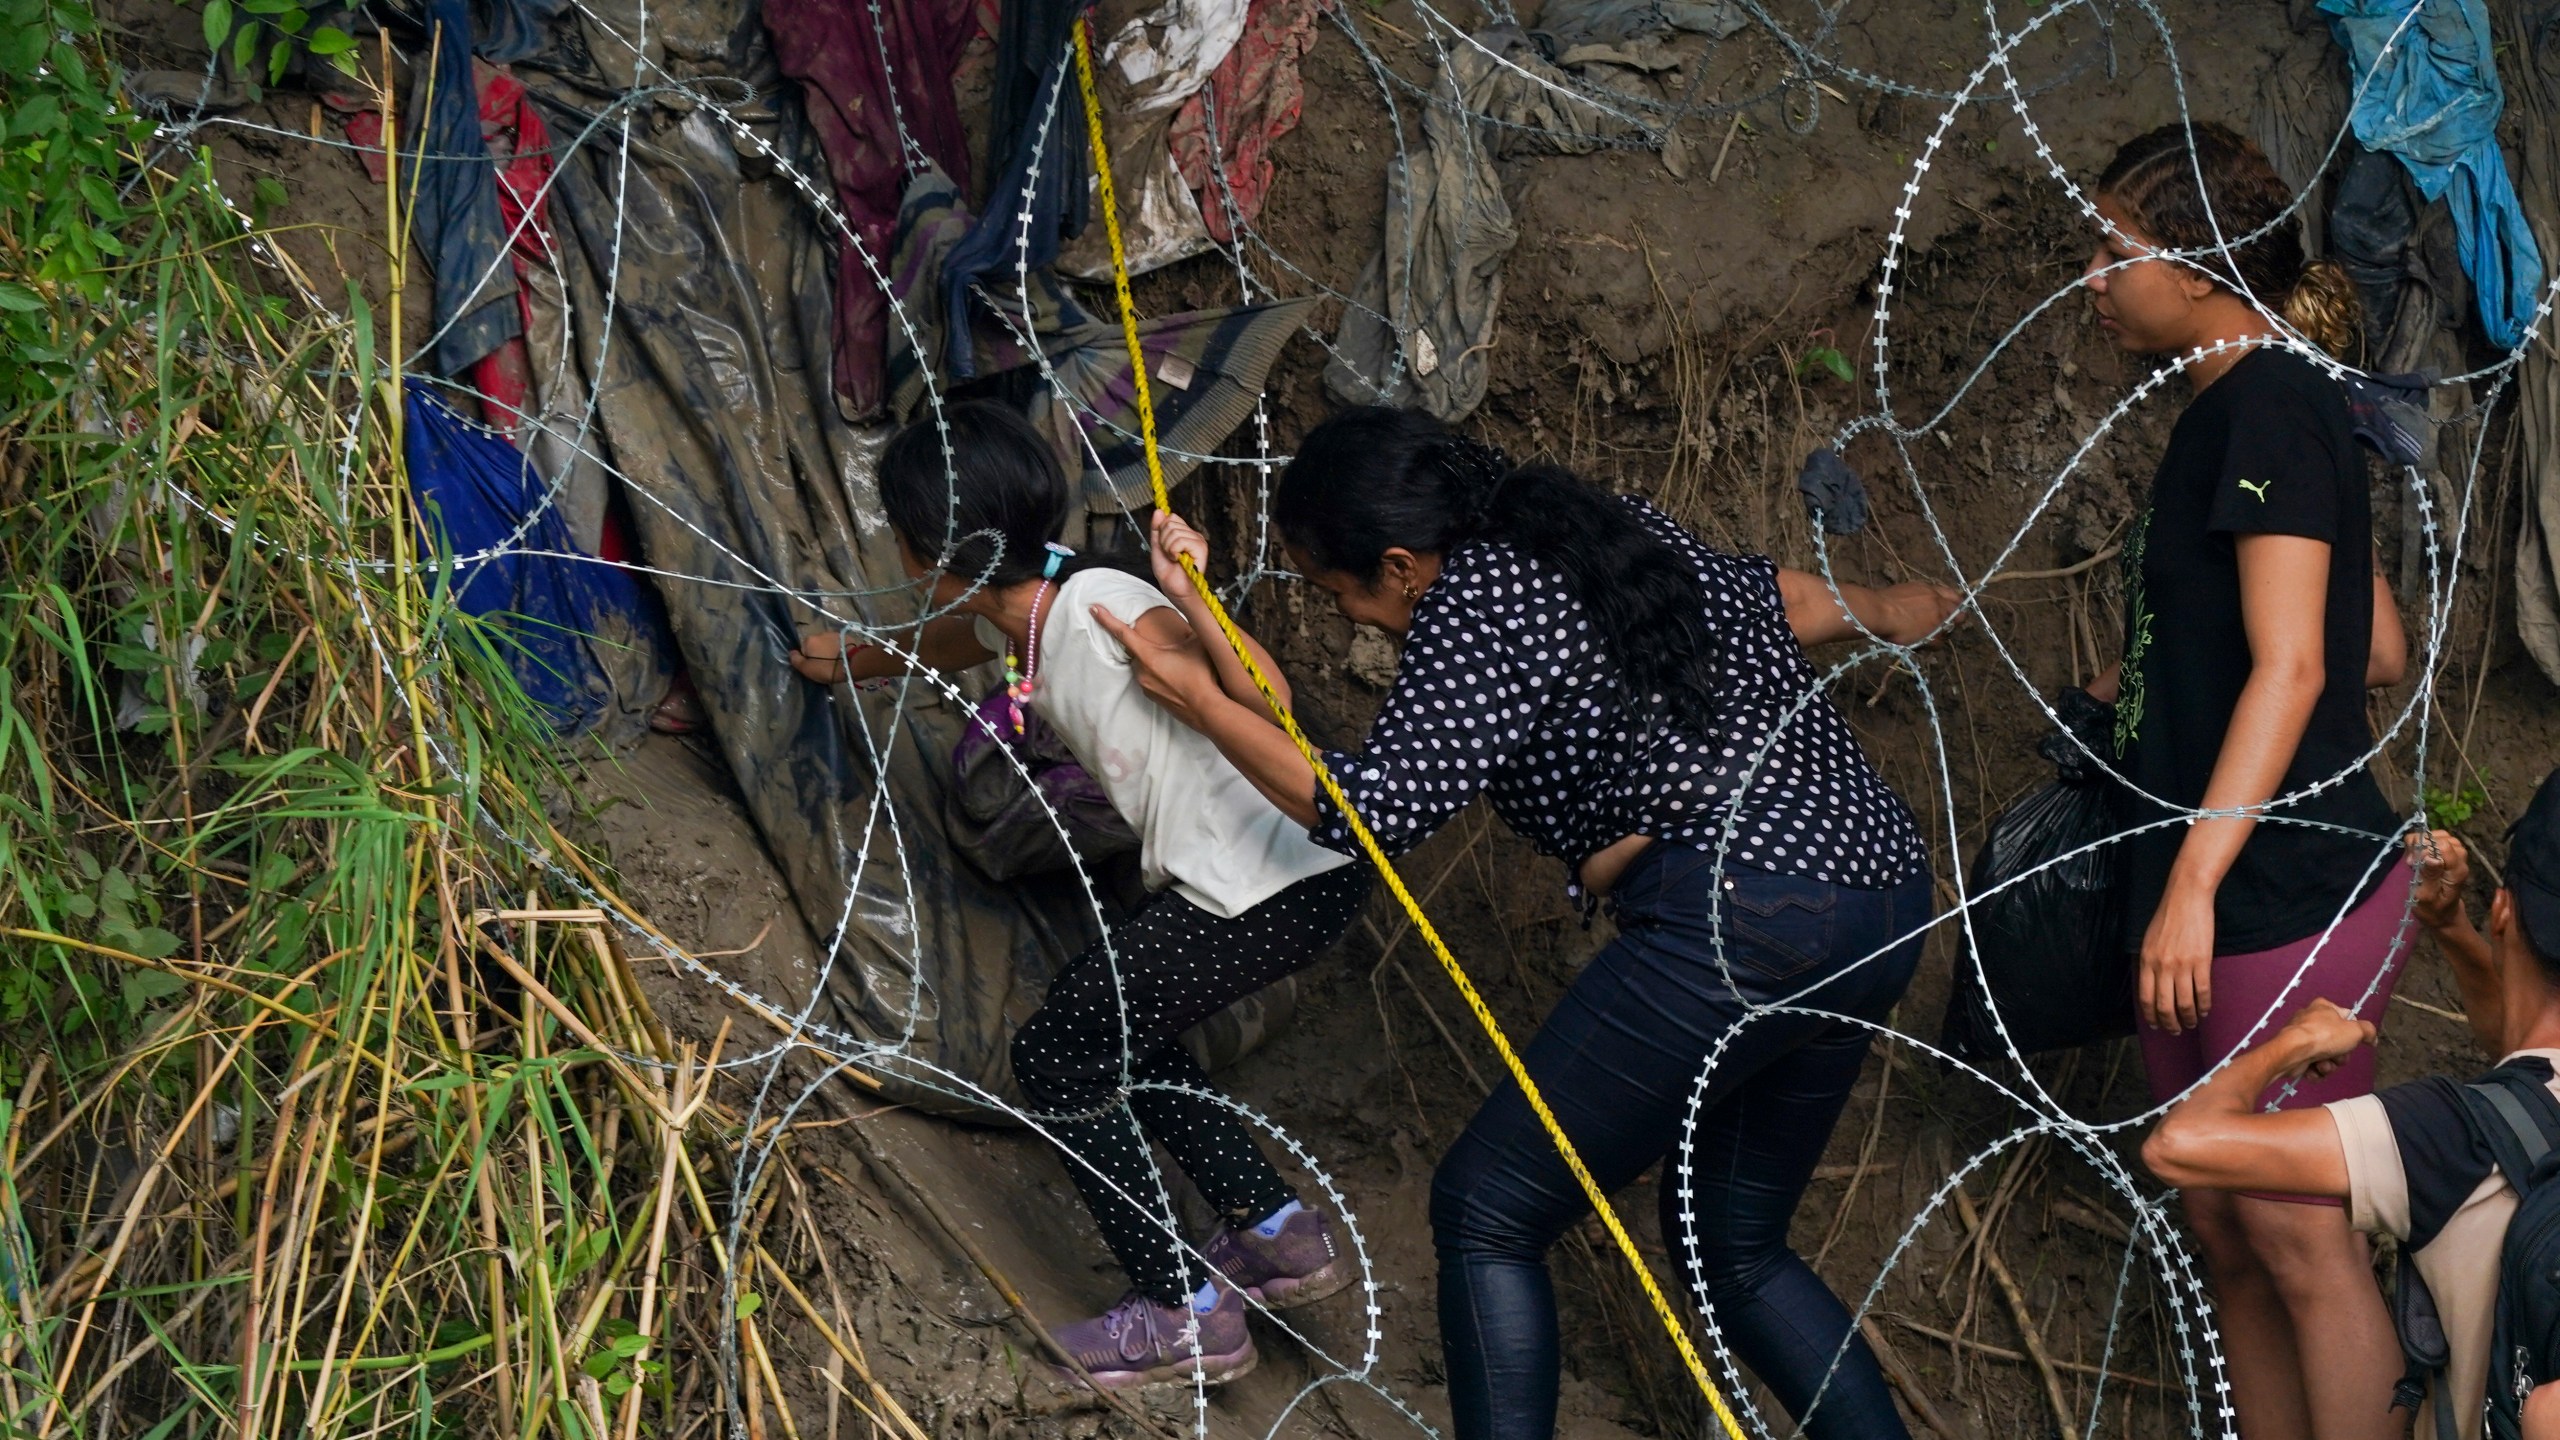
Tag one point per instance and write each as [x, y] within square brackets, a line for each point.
[2257, 488]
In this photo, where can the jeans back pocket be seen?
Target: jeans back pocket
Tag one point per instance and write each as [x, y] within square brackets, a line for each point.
[1782, 926]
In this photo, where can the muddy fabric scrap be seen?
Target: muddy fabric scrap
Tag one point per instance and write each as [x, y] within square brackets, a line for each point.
[1153, 64]
[510, 30]
[1206, 368]
[2429, 93]
[1568, 27]
[1422, 316]
[868, 77]
[1221, 138]
[1833, 494]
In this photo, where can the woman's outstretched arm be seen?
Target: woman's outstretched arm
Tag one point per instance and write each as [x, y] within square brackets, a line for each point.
[1905, 614]
[946, 643]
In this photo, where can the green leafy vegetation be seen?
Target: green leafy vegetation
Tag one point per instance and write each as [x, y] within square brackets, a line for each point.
[298, 1136]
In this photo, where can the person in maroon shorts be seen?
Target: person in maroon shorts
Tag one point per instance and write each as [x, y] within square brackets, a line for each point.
[2262, 865]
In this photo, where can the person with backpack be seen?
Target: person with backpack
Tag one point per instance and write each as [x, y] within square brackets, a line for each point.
[1238, 898]
[2465, 1176]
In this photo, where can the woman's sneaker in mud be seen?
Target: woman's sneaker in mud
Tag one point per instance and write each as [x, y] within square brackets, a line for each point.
[1298, 1266]
[1139, 1342]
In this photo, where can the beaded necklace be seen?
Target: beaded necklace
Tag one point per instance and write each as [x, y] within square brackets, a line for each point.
[1020, 682]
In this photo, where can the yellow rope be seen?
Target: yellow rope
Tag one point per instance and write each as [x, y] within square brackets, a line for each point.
[1333, 788]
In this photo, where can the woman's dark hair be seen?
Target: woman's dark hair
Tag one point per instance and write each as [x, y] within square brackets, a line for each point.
[2153, 180]
[1375, 479]
[988, 514]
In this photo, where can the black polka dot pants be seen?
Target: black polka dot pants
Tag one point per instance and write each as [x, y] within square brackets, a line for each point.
[1177, 965]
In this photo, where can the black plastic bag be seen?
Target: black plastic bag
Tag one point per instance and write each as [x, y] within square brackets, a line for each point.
[2051, 945]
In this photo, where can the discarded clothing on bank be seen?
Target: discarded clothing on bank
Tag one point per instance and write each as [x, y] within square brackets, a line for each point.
[519, 152]
[489, 516]
[1207, 367]
[1221, 138]
[2430, 94]
[2536, 88]
[1036, 119]
[1833, 494]
[510, 30]
[1420, 321]
[454, 216]
[1037, 203]
[866, 85]
[1629, 32]
[1152, 64]
[712, 399]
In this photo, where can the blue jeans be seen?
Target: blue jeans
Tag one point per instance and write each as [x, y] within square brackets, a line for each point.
[1617, 1061]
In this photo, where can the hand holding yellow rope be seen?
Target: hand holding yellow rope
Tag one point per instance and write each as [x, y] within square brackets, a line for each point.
[1333, 788]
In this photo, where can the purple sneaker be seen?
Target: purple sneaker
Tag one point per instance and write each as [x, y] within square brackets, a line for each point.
[1298, 1266]
[1139, 1342]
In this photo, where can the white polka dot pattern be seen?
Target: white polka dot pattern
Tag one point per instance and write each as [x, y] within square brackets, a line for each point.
[1504, 690]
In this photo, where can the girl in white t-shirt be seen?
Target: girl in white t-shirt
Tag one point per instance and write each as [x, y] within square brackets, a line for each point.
[1239, 896]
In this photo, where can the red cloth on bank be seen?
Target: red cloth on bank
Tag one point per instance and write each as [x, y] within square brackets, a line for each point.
[520, 145]
[833, 49]
[1258, 95]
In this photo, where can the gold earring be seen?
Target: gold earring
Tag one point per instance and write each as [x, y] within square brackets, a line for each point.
[1409, 592]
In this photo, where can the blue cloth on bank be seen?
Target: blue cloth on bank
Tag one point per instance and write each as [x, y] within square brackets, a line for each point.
[2428, 92]
[474, 491]
[1056, 201]
[455, 220]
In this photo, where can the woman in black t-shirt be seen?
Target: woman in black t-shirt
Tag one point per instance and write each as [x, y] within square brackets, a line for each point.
[2253, 618]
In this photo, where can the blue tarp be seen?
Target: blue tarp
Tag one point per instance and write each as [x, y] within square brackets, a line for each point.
[2429, 93]
[548, 602]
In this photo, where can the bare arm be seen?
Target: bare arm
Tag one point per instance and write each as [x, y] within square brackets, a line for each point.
[1173, 667]
[1905, 614]
[2283, 591]
[2542, 1413]
[2218, 1139]
[2384, 666]
[2444, 873]
[1173, 537]
[946, 643]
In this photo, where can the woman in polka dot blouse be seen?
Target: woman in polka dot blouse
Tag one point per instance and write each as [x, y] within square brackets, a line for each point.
[1639, 706]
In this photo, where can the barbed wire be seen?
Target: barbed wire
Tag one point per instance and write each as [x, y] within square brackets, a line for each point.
[882, 615]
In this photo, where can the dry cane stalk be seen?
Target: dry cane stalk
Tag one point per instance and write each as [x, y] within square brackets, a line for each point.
[133, 1214]
[2018, 1312]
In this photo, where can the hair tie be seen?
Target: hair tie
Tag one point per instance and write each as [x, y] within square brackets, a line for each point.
[1057, 554]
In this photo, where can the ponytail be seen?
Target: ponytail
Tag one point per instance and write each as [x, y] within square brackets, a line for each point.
[2325, 307]
[2154, 180]
[1375, 479]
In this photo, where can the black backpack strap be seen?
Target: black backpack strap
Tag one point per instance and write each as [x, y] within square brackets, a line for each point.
[2519, 1118]
[2423, 1348]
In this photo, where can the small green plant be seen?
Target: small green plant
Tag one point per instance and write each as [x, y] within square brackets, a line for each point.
[2448, 809]
[276, 26]
[1824, 360]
